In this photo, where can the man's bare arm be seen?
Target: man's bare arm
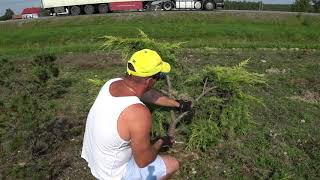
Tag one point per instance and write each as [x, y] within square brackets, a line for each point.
[155, 97]
[139, 126]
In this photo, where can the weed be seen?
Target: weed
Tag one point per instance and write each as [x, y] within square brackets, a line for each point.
[28, 121]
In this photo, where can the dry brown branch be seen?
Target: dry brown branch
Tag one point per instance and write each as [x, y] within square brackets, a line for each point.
[204, 93]
[164, 92]
[205, 85]
[169, 86]
[176, 120]
[174, 123]
[172, 114]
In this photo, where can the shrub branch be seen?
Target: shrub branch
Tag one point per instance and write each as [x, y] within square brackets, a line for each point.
[176, 120]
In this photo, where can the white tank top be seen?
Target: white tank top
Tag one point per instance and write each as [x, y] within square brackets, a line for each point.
[105, 151]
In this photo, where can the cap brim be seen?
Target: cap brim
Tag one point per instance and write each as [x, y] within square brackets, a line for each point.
[165, 67]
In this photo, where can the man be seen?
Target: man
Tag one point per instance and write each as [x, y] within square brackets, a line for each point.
[116, 143]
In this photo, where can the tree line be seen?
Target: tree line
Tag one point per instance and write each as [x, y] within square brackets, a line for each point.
[7, 15]
[297, 6]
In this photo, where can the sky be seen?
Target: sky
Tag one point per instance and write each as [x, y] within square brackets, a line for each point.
[18, 5]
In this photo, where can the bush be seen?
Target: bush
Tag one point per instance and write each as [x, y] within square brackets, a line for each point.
[8, 15]
[224, 112]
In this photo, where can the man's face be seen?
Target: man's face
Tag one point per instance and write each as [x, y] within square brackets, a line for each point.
[151, 81]
[159, 76]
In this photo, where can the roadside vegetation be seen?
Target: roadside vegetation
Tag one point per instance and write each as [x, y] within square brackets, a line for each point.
[197, 29]
[7, 15]
[296, 6]
[260, 121]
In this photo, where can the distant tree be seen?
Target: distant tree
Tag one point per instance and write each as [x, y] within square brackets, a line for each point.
[301, 6]
[8, 15]
[316, 5]
[44, 12]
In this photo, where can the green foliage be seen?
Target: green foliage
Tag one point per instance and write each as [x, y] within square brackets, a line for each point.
[28, 121]
[277, 7]
[301, 6]
[225, 111]
[204, 133]
[229, 105]
[241, 5]
[232, 79]
[44, 68]
[96, 82]
[8, 15]
[160, 119]
[316, 5]
[7, 69]
[235, 118]
[130, 45]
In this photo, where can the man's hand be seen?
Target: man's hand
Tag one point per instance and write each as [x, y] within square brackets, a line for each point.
[167, 141]
[184, 105]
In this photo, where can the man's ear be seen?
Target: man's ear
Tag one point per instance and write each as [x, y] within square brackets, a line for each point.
[149, 83]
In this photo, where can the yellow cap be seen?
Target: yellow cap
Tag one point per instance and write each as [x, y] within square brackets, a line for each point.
[147, 63]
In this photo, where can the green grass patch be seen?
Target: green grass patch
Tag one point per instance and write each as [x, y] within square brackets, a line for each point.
[197, 29]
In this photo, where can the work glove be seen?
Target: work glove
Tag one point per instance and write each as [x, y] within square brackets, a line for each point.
[167, 141]
[184, 105]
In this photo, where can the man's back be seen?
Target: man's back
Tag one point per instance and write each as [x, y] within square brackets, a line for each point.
[105, 151]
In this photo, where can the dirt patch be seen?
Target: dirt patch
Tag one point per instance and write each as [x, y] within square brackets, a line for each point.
[308, 96]
[90, 60]
[276, 71]
[299, 82]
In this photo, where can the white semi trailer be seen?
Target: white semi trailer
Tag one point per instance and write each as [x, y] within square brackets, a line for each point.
[208, 5]
[77, 7]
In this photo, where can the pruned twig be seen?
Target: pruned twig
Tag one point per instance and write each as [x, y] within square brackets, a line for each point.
[176, 120]
[204, 93]
[164, 92]
[173, 116]
[169, 86]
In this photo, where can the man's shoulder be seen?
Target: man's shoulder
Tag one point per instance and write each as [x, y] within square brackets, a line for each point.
[136, 110]
[136, 115]
[138, 118]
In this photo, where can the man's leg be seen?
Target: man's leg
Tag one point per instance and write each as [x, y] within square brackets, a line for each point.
[172, 165]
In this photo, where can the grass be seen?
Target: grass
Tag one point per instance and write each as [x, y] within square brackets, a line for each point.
[283, 141]
[197, 29]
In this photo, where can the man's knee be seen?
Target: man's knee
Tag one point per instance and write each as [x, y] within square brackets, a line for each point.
[172, 164]
[175, 165]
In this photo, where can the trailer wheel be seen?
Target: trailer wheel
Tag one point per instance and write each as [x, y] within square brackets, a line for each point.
[88, 9]
[75, 10]
[103, 8]
[209, 5]
[167, 6]
[147, 6]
